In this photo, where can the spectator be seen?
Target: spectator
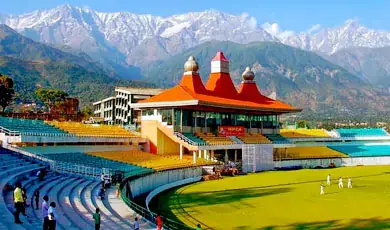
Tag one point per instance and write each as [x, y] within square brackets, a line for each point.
[45, 210]
[102, 179]
[159, 222]
[96, 218]
[118, 189]
[36, 196]
[198, 227]
[136, 224]
[18, 200]
[52, 216]
[101, 194]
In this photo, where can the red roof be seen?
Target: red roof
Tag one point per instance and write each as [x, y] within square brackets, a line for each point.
[220, 57]
[192, 89]
[219, 92]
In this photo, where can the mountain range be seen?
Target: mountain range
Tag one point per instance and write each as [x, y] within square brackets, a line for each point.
[302, 78]
[340, 67]
[32, 64]
[125, 43]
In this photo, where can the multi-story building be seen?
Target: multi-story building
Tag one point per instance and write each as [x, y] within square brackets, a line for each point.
[117, 109]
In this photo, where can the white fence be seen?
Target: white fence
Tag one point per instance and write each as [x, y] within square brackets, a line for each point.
[308, 163]
[351, 161]
[150, 182]
[63, 167]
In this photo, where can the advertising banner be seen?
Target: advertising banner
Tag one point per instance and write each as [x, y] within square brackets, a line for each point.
[231, 131]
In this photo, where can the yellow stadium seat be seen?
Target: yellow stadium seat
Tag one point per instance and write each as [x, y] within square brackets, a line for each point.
[149, 160]
[317, 152]
[88, 130]
[303, 133]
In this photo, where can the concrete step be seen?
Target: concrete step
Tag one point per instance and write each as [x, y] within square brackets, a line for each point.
[66, 206]
[87, 197]
[117, 223]
[77, 204]
[45, 190]
[62, 221]
[6, 216]
[118, 208]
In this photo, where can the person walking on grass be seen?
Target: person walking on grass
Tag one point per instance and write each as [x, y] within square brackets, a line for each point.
[322, 192]
[350, 182]
[328, 180]
[19, 202]
[52, 215]
[96, 218]
[341, 185]
[45, 212]
[136, 224]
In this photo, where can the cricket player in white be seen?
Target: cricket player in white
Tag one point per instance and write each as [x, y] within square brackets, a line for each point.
[322, 189]
[328, 179]
[350, 183]
[341, 185]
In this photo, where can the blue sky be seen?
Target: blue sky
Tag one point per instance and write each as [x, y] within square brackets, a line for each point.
[298, 15]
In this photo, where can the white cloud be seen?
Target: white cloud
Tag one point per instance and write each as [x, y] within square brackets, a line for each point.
[252, 22]
[275, 30]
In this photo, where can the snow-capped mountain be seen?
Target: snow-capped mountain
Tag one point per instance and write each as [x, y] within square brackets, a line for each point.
[331, 40]
[152, 36]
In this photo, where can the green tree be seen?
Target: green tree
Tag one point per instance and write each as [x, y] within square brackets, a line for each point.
[301, 124]
[86, 112]
[51, 97]
[7, 91]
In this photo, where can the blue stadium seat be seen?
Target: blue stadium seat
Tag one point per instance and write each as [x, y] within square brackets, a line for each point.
[363, 150]
[277, 139]
[31, 127]
[362, 132]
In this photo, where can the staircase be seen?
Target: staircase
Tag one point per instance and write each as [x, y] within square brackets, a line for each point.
[169, 132]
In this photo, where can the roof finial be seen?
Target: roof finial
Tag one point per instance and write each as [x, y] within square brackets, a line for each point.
[191, 65]
[248, 74]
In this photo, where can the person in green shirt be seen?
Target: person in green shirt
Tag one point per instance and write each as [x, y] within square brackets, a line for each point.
[96, 217]
[198, 227]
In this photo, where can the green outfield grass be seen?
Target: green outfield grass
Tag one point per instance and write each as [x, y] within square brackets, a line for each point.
[284, 200]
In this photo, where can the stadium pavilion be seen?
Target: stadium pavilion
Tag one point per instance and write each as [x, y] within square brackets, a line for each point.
[214, 118]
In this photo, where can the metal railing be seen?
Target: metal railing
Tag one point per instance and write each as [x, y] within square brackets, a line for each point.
[9, 132]
[186, 139]
[151, 216]
[65, 167]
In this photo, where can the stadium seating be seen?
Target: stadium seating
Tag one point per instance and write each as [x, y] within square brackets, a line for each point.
[89, 130]
[211, 139]
[277, 138]
[363, 150]
[30, 127]
[75, 198]
[98, 162]
[194, 138]
[362, 132]
[254, 138]
[144, 159]
[303, 133]
[295, 153]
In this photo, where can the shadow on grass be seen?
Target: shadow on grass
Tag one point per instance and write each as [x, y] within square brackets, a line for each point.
[189, 200]
[354, 224]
